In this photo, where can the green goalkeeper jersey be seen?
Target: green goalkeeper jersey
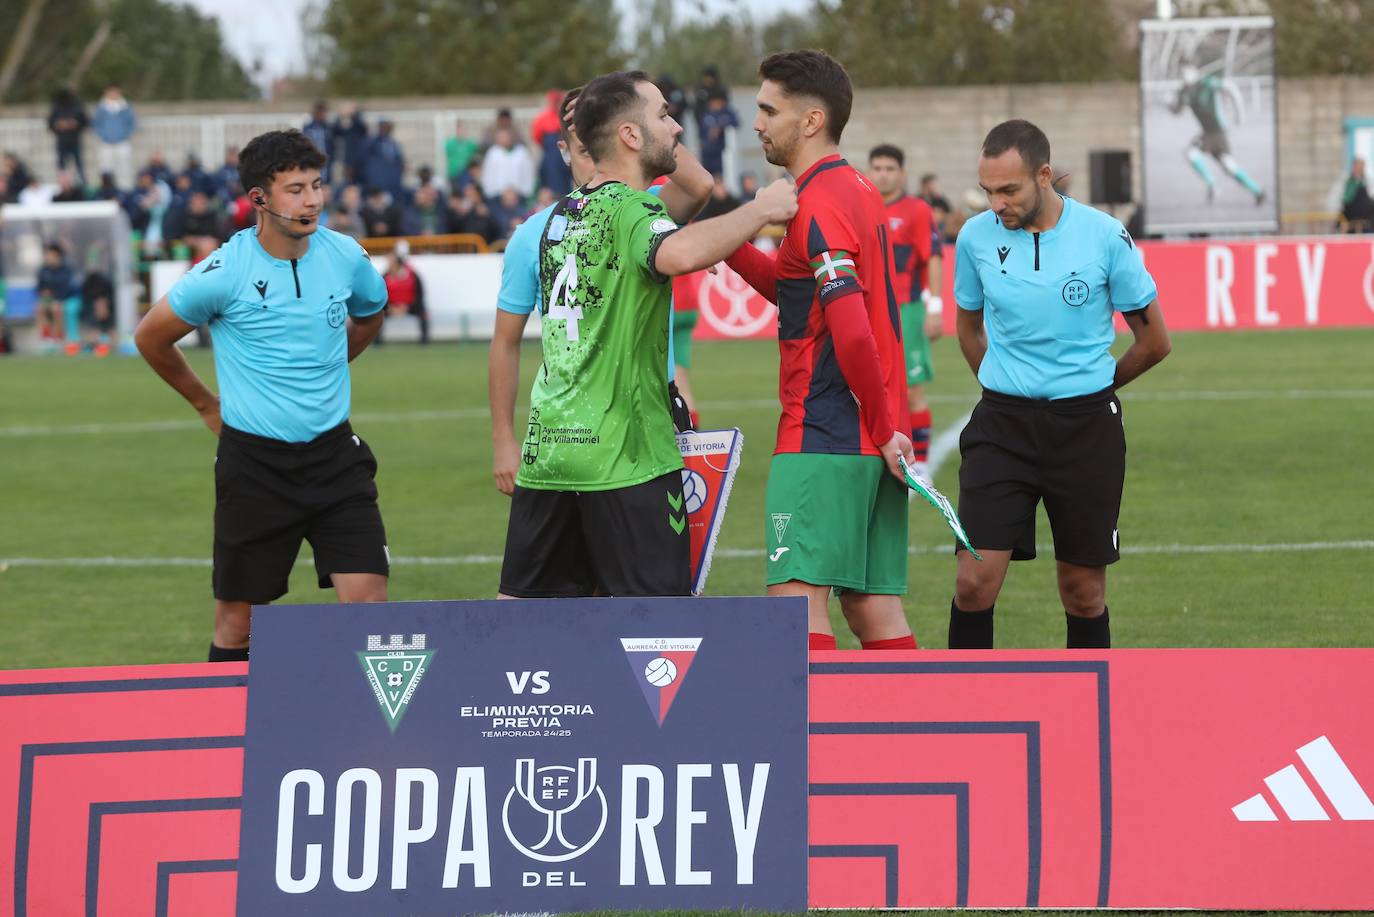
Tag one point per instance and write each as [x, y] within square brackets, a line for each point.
[599, 416]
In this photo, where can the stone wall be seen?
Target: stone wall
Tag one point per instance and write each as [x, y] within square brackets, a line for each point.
[939, 128]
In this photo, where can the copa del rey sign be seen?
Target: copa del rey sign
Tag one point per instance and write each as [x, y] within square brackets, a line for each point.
[1213, 285]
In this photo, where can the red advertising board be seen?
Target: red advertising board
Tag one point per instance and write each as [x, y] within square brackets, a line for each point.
[119, 789]
[1211, 779]
[1317, 282]
[1212, 285]
[727, 307]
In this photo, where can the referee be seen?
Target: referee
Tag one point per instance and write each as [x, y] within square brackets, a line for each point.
[1037, 279]
[289, 304]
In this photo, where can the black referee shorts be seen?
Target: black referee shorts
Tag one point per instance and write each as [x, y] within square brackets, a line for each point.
[628, 541]
[1069, 452]
[269, 495]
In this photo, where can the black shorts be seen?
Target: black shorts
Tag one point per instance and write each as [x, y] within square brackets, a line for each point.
[628, 541]
[1069, 452]
[269, 495]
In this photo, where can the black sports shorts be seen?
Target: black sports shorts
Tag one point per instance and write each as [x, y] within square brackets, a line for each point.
[269, 495]
[1069, 452]
[627, 541]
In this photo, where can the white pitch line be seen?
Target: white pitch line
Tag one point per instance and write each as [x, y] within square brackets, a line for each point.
[478, 560]
[380, 417]
[177, 426]
[944, 445]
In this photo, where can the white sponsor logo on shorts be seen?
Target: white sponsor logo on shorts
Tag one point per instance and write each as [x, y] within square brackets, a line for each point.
[780, 521]
[778, 553]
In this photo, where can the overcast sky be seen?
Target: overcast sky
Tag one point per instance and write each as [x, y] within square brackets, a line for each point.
[270, 30]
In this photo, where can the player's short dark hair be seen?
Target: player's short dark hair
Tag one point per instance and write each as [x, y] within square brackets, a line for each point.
[273, 152]
[57, 248]
[888, 151]
[565, 124]
[603, 104]
[814, 73]
[1022, 136]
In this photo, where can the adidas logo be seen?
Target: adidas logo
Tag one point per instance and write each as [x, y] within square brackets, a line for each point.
[1296, 798]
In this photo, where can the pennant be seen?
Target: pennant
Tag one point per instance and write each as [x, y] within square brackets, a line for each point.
[711, 459]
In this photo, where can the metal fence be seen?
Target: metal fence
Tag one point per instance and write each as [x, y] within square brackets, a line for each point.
[421, 133]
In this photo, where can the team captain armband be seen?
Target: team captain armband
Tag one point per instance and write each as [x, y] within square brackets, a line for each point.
[835, 275]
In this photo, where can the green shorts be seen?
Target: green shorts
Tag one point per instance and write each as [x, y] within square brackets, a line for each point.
[918, 367]
[683, 323]
[836, 520]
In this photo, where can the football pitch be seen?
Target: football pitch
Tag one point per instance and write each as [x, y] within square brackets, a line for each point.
[1246, 520]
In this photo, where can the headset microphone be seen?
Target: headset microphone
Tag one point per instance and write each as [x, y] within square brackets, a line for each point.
[262, 202]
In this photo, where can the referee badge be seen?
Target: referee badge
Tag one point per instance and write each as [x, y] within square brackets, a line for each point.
[1075, 292]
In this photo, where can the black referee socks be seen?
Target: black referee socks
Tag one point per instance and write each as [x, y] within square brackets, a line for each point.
[220, 654]
[1089, 633]
[970, 630]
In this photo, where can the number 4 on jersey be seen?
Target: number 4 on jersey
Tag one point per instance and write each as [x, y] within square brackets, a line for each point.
[561, 300]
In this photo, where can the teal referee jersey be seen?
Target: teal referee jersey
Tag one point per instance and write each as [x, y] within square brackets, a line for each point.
[1048, 299]
[280, 330]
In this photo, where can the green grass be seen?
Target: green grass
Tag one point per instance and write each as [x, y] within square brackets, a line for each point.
[1212, 462]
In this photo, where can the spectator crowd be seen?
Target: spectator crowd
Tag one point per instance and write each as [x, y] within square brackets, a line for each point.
[486, 187]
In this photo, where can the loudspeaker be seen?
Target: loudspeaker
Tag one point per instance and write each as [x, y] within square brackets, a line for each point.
[1111, 176]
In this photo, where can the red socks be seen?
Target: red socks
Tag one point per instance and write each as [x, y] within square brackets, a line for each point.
[896, 643]
[827, 642]
[920, 434]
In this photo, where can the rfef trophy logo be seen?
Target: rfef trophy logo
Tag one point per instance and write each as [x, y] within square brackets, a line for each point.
[394, 671]
[660, 667]
[555, 828]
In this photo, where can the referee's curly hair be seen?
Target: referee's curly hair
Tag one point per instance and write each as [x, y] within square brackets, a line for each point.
[273, 152]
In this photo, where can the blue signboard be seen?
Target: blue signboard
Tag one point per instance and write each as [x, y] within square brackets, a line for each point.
[444, 758]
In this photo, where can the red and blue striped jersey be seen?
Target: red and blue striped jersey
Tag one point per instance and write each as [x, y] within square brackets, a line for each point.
[910, 224]
[837, 244]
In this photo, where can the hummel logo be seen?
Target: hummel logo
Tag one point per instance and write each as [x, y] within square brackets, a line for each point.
[261, 287]
[1298, 801]
[1002, 252]
[1126, 237]
[773, 558]
[211, 266]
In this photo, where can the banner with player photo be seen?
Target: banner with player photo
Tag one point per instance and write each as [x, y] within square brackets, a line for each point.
[440, 758]
[1209, 132]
